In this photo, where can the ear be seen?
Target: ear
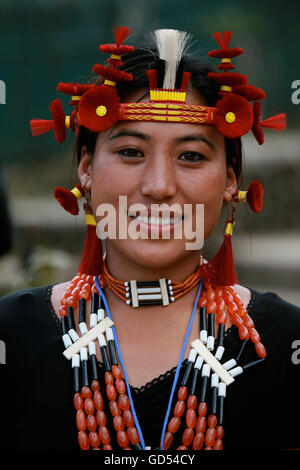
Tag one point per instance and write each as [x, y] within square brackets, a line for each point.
[231, 185]
[85, 169]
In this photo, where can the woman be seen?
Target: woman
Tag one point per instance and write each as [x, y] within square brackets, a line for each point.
[176, 397]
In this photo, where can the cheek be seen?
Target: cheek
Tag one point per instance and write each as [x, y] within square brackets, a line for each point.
[213, 205]
[208, 185]
[109, 181]
[208, 189]
[102, 183]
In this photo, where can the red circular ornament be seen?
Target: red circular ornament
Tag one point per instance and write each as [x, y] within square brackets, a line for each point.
[113, 49]
[228, 79]
[256, 128]
[99, 108]
[58, 115]
[112, 74]
[233, 117]
[250, 92]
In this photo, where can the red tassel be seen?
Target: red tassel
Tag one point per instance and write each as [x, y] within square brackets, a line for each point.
[220, 270]
[92, 257]
[152, 79]
[73, 88]
[113, 49]
[223, 42]
[184, 81]
[254, 196]
[277, 122]
[40, 126]
[121, 33]
[67, 199]
[225, 51]
[228, 79]
[114, 62]
[112, 74]
[226, 66]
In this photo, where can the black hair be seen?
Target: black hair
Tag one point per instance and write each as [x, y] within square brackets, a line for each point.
[144, 58]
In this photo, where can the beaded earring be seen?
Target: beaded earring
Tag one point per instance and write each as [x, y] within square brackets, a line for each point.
[92, 257]
[220, 269]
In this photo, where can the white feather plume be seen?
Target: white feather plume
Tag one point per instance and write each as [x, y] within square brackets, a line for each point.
[170, 44]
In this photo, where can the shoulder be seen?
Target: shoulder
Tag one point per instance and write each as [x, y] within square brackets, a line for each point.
[268, 305]
[22, 302]
[274, 307]
[27, 322]
[277, 319]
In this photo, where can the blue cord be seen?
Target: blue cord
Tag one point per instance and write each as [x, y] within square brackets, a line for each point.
[124, 370]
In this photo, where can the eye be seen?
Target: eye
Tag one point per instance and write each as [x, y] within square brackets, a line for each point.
[131, 152]
[192, 156]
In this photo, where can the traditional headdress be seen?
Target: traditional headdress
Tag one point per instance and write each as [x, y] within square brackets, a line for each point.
[98, 107]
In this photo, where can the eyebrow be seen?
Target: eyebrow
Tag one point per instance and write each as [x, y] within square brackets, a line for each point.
[197, 138]
[186, 138]
[124, 133]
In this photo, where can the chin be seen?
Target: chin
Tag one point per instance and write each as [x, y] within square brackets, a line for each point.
[153, 254]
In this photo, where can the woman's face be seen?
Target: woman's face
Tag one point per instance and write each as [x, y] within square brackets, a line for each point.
[158, 163]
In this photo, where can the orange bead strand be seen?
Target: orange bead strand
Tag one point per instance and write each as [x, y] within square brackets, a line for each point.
[200, 432]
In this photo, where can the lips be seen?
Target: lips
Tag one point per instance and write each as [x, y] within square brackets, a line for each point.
[157, 220]
[155, 227]
[154, 217]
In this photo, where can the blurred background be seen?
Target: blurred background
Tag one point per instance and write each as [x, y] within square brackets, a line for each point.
[43, 42]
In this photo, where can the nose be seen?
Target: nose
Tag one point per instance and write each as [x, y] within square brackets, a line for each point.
[159, 179]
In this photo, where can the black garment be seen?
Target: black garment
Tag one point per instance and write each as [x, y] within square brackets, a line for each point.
[262, 409]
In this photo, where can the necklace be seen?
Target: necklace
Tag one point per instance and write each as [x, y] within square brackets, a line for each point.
[146, 293]
[177, 369]
[202, 388]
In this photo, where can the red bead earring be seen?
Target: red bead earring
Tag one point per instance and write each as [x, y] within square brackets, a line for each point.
[221, 270]
[92, 257]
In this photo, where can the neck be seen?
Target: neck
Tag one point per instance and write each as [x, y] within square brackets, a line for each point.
[124, 269]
